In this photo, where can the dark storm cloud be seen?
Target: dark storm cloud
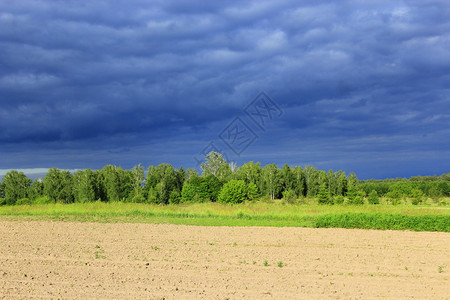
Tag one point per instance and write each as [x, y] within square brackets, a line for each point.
[130, 78]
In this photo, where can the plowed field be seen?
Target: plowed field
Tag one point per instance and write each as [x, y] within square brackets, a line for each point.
[44, 259]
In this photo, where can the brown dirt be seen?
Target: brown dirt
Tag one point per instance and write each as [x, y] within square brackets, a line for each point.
[43, 259]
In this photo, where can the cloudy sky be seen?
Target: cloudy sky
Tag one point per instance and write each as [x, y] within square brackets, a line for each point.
[360, 86]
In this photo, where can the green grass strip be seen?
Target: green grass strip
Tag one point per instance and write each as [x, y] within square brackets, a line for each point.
[418, 218]
[385, 221]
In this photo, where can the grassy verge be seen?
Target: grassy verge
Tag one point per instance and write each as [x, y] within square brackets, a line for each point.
[386, 221]
[421, 218]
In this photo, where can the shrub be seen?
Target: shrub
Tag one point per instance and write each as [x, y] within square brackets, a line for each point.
[373, 197]
[138, 198]
[209, 188]
[435, 194]
[266, 198]
[23, 201]
[201, 189]
[289, 196]
[417, 195]
[233, 192]
[394, 196]
[357, 199]
[188, 193]
[339, 199]
[43, 200]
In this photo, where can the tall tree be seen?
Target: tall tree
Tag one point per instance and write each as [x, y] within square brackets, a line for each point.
[312, 180]
[137, 181]
[341, 183]
[224, 173]
[287, 178]
[181, 178]
[324, 194]
[2, 193]
[332, 182]
[16, 186]
[272, 180]
[84, 186]
[167, 181]
[352, 189]
[250, 172]
[300, 181]
[58, 185]
[36, 189]
[209, 188]
[99, 186]
[190, 174]
[112, 183]
[214, 163]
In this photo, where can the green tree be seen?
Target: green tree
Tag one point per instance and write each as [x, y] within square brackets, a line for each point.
[341, 183]
[174, 197]
[163, 179]
[225, 173]
[289, 196]
[339, 199]
[201, 189]
[395, 196]
[58, 186]
[373, 197]
[2, 193]
[125, 183]
[358, 199]
[417, 195]
[152, 196]
[214, 163]
[169, 182]
[16, 186]
[233, 192]
[190, 174]
[112, 178]
[189, 193]
[99, 187]
[299, 181]
[287, 178]
[444, 187]
[253, 192]
[352, 189]
[332, 182]
[272, 180]
[84, 186]
[36, 190]
[324, 194]
[180, 179]
[162, 193]
[153, 177]
[250, 172]
[312, 180]
[137, 182]
[209, 188]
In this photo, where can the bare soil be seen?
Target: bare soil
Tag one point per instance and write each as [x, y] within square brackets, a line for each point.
[44, 259]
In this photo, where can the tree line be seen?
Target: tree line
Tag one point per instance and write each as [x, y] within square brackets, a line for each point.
[218, 182]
